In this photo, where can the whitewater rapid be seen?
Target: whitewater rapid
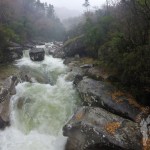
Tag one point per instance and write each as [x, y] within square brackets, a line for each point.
[40, 109]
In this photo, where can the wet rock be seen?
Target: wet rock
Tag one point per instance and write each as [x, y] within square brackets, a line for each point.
[6, 92]
[102, 94]
[97, 73]
[96, 128]
[55, 49]
[77, 79]
[74, 47]
[25, 77]
[69, 60]
[51, 50]
[75, 71]
[28, 45]
[9, 86]
[86, 66]
[59, 53]
[77, 56]
[20, 103]
[16, 52]
[37, 42]
[37, 54]
[58, 44]
[3, 123]
[40, 43]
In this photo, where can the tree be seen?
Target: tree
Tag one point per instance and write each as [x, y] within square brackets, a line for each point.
[50, 11]
[28, 20]
[86, 5]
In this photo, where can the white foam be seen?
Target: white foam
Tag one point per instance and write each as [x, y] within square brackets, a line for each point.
[39, 111]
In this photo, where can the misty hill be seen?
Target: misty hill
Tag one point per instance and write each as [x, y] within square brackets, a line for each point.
[64, 13]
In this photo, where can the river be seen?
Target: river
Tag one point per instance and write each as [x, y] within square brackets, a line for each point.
[40, 109]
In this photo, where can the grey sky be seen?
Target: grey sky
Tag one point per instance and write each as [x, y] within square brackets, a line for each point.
[74, 4]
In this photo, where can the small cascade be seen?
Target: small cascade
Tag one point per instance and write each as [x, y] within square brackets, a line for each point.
[40, 109]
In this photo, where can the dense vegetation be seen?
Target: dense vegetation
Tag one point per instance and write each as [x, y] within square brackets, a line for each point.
[119, 36]
[27, 20]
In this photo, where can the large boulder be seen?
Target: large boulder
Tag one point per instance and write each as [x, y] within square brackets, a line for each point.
[37, 54]
[28, 45]
[54, 49]
[5, 95]
[95, 128]
[58, 53]
[74, 46]
[74, 73]
[69, 60]
[97, 73]
[102, 94]
[16, 52]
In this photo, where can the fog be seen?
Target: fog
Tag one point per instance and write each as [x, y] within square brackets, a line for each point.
[74, 4]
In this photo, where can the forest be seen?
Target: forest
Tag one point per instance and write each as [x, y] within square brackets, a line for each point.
[82, 83]
[24, 21]
[118, 35]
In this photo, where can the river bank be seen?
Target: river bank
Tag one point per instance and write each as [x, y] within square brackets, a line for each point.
[91, 126]
[7, 70]
[99, 97]
[102, 116]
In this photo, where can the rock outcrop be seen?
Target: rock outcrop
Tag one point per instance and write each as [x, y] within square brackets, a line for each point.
[58, 53]
[74, 46]
[97, 73]
[54, 49]
[37, 54]
[95, 128]
[109, 118]
[16, 52]
[6, 92]
[102, 94]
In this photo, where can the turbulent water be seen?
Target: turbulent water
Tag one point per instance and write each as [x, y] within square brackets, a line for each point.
[40, 109]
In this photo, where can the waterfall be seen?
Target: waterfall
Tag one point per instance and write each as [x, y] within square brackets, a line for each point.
[40, 109]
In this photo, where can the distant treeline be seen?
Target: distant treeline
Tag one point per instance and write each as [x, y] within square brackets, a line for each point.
[27, 20]
[119, 36]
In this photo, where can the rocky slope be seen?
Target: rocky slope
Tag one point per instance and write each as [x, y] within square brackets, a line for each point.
[112, 118]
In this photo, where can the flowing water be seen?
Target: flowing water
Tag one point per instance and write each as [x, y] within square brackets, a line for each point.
[39, 110]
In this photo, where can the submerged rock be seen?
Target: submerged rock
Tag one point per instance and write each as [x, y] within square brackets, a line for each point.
[29, 74]
[95, 128]
[102, 94]
[37, 54]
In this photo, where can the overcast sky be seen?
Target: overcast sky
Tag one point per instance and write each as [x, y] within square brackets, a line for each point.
[74, 4]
